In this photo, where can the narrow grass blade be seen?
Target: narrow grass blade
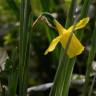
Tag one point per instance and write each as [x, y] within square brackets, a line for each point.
[84, 9]
[13, 77]
[92, 85]
[24, 46]
[89, 61]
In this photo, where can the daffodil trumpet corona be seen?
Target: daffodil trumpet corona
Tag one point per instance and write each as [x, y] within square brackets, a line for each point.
[75, 47]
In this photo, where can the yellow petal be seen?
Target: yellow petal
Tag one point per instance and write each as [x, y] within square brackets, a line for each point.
[59, 27]
[82, 23]
[75, 47]
[53, 44]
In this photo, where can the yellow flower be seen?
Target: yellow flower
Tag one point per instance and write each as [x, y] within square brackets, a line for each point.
[75, 47]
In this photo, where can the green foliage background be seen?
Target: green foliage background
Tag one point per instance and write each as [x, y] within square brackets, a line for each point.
[41, 69]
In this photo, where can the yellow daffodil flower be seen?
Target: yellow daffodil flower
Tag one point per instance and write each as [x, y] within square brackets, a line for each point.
[75, 47]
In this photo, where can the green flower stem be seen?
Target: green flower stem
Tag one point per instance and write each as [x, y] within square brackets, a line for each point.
[63, 78]
[59, 81]
[24, 46]
[79, 34]
[67, 70]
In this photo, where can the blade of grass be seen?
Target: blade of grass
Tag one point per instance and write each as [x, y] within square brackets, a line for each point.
[89, 61]
[24, 46]
[84, 9]
[13, 78]
[91, 88]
